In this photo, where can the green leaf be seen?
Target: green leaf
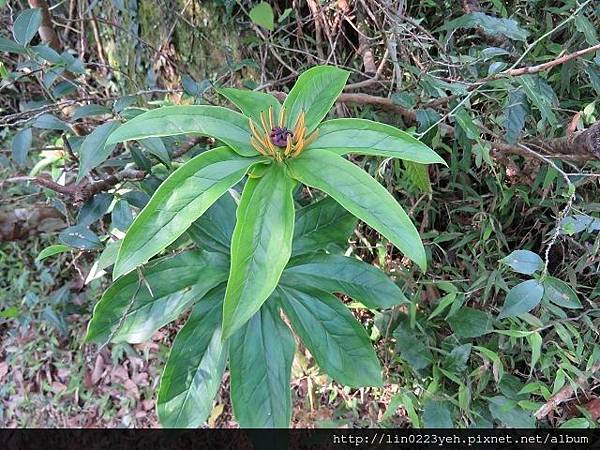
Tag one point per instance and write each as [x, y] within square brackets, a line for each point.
[64, 88]
[465, 122]
[94, 209]
[179, 201]
[106, 259]
[130, 312]
[585, 26]
[515, 113]
[260, 364]
[560, 293]
[492, 25]
[52, 250]
[427, 118]
[213, 230]
[335, 339]
[323, 225]
[9, 313]
[335, 273]
[524, 261]
[365, 137]
[456, 360]
[89, 111]
[262, 14]
[592, 73]
[508, 413]
[497, 367]
[21, 144]
[437, 414]
[541, 94]
[576, 422]
[252, 103]
[50, 122]
[363, 196]
[418, 174]
[496, 67]
[261, 245]
[93, 150]
[314, 93]
[157, 148]
[26, 25]
[535, 341]
[522, 298]
[578, 223]
[412, 347]
[79, 237]
[8, 45]
[135, 198]
[195, 367]
[220, 123]
[470, 323]
[121, 216]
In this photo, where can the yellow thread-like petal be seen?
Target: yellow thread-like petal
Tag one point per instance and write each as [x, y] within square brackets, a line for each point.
[288, 147]
[255, 132]
[282, 117]
[299, 124]
[264, 123]
[271, 117]
[270, 145]
[258, 147]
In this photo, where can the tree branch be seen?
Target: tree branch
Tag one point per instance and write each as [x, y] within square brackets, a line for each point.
[547, 65]
[565, 393]
[83, 191]
[583, 146]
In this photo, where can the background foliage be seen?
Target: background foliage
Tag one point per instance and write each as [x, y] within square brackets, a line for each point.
[482, 342]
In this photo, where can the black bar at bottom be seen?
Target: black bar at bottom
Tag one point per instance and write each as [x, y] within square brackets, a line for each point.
[301, 439]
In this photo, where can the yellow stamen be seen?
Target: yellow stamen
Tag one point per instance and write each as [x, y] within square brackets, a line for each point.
[296, 142]
[264, 124]
[258, 147]
[299, 124]
[267, 144]
[288, 147]
[255, 132]
[281, 117]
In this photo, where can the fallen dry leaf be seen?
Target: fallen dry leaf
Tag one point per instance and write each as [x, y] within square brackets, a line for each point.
[3, 369]
[58, 386]
[98, 370]
[593, 407]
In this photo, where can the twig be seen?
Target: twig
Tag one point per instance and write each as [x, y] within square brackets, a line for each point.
[549, 64]
[410, 117]
[562, 214]
[80, 192]
[565, 393]
[545, 35]
[376, 77]
[512, 72]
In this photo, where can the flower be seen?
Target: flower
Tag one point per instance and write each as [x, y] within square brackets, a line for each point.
[276, 140]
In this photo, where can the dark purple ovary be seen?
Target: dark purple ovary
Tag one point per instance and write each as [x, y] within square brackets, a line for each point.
[279, 136]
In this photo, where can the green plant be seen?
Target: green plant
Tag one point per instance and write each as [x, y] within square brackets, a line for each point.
[277, 146]
[274, 156]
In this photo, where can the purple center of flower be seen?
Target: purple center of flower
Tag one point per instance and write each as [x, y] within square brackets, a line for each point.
[279, 136]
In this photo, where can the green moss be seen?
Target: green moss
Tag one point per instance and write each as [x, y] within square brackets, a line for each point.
[202, 36]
